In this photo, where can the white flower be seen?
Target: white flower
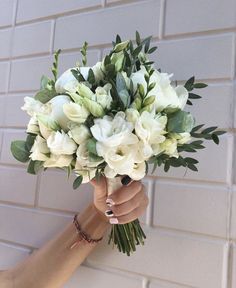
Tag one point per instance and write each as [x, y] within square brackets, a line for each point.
[83, 158]
[181, 138]
[169, 146]
[58, 161]
[103, 95]
[138, 172]
[67, 82]
[132, 115]
[166, 95]
[87, 173]
[79, 133]
[75, 112]
[60, 143]
[97, 70]
[33, 126]
[32, 106]
[39, 149]
[151, 129]
[113, 131]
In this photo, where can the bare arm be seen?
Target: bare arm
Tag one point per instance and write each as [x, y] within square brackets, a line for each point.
[53, 264]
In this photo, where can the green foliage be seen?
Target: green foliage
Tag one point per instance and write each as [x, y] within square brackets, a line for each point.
[20, 151]
[84, 53]
[34, 167]
[180, 121]
[190, 85]
[209, 133]
[77, 182]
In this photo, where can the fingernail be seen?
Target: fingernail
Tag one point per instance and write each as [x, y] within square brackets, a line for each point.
[126, 180]
[110, 202]
[109, 213]
[114, 221]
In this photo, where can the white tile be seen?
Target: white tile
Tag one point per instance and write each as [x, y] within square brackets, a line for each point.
[8, 137]
[6, 12]
[4, 68]
[5, 40]
[17, 185]
[233, 215]
[199, 15]
[32, 39]
[30, 227]
[199, 56]
[10, 255]
[184, 260]
[26, 74]
[234, 267]
[107, 23]
[33, 9]
[88, 277]
[189, 207]
[57, 192]
[2, 110]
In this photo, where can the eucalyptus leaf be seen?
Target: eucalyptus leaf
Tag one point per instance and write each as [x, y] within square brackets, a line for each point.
[180, 121]
[19, 151]
[77, 182]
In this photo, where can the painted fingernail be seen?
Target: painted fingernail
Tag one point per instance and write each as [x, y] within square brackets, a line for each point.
[109, 213]
[114, 221]
[110, 202]
[126, 180]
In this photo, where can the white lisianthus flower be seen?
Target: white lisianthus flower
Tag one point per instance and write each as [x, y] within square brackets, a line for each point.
[83, 158]
[33, 126]
[113, 131]
[87, 173]
[151, 128]
[166, 95]
[138, 172]
[58, 161]
[39, 149]
[75, 112]
[32, 106]
[103, 96]
[169, 146]
[67, 82]
[144, 151]
[79, 133]
[60, 143]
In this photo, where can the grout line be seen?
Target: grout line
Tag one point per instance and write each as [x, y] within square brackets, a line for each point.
[16, 245]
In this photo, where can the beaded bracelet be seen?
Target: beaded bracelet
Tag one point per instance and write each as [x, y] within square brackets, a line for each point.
[84, 236]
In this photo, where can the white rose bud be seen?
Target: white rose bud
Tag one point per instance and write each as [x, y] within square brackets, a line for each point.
[61, 143]
[170, 147]
[85, 91]
[39, 149]
[75, 112]
[58, 161]
[97, 70]
[93, 107]
[79, 133]
[103, 96]
[33, 126]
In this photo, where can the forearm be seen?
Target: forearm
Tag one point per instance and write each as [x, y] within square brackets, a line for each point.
[52, 265]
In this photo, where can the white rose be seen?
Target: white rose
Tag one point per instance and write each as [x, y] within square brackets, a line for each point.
[103, 96]
[83, 158]
[67, 82]
[138, 172]
[58, 161]
[113, 131]
[39, 149]
[33, 126]
[75, 112]
[60, 143]
[32, 106]
[169, 146]
[150, 128]
[79, 133]
[87, 173]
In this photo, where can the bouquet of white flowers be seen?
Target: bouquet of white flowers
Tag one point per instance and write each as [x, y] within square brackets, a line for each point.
[112, 119]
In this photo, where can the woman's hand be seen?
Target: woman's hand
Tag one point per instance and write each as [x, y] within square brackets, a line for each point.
[124, 205]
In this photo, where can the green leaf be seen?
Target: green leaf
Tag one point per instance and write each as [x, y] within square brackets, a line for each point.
[121, 46]
[29, 141]
[215, 138]
[192, 167]
[91, 77]
[138, 38]
[91, 146]
[118, 39]
[209, 129]
[197, 127]
[200, 85]
[122, 89]
[194, 96]
[189, 83]
[34, 167]
[147, 43]
[44, 82]
[19, 151]
[137, 50]
[45, 95]
[191, 160]
[77, 182]
[180, 121]
[189, 102]
[151, 50]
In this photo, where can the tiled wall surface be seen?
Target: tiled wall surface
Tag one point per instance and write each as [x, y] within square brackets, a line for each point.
[191, 220]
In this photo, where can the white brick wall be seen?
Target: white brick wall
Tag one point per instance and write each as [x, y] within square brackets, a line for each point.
[191, 220]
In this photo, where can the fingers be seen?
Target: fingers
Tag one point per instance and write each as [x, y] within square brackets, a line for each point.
[125, 193]
[100, 186]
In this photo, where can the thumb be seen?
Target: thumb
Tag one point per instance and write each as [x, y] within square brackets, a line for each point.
[100, 186]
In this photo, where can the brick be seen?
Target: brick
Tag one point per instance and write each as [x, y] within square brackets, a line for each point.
[31, 10]
[203, 15]
[4, 68]
[180, 259]
[32, 39]
[85, 277]
[233, 214]
[13, 185]
[9, 136]
[5, 40]
[213, 94]
[6, 12]
[212, 166]
[58, 193]
[26, 74]
[68, 60]
[177, 206]
[199, 56]
[30, 227]
[10, 255]
[107, 23]
[14, 116]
